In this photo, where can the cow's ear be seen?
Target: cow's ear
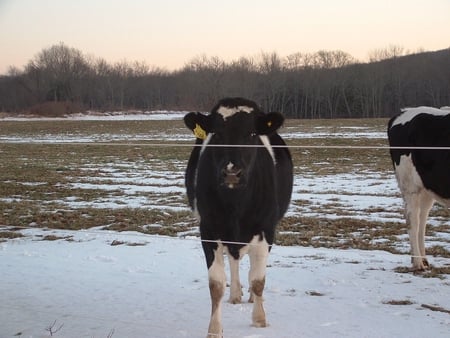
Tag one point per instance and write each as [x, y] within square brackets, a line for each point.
[198, 123]
[269, 123]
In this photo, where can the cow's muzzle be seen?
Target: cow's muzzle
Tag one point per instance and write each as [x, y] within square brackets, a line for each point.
[231, 177]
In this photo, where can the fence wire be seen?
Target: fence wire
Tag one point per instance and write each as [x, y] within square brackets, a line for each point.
[189, 145]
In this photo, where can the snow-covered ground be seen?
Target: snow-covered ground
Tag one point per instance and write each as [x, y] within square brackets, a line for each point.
[106, 116]
[159, 289]
[153, 286]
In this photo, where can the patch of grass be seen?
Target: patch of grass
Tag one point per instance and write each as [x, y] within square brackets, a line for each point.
[435, 308]
[55, 238]
[117, 242]
[431, 272]
[398, 302]
[315, 293]
[340, 233]
[438, 250]
[10, 234]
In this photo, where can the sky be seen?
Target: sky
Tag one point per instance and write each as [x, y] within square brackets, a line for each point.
[170, 33]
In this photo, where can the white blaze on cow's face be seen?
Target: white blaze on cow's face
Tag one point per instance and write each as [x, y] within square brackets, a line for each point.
[230, 111]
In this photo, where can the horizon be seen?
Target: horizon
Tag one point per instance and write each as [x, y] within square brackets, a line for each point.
[168, 35]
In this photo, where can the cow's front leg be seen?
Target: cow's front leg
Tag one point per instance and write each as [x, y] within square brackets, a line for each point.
[259, 251]
[217, 283]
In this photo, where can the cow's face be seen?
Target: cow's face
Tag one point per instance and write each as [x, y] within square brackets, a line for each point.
[232, 130]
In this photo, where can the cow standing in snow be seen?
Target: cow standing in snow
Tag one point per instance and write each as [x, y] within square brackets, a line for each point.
[423, 175]
[239, 182]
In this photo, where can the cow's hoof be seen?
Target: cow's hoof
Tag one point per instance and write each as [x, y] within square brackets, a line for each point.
[260, 323]
[419, 264]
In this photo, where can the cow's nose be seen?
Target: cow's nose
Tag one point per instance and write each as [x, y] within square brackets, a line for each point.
[231, 176]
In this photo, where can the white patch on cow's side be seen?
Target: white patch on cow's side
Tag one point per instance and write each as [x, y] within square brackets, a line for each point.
[408, 178]
[265, 141]
[409, 113]
[230, 111]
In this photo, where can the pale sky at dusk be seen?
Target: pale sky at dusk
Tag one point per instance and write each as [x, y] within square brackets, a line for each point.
[169, 33]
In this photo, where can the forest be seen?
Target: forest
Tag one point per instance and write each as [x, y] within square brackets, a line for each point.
[325, 84]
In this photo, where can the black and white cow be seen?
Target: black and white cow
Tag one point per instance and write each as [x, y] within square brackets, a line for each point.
[239, 182]
[423, 175]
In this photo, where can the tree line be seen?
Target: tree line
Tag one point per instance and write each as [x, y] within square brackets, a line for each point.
[325, 84]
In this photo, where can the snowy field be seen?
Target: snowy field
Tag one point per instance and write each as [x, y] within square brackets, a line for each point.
[159, 288]
[100, 283]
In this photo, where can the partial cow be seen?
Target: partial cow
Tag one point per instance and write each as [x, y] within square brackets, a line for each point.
[423, 175]
[239, 182]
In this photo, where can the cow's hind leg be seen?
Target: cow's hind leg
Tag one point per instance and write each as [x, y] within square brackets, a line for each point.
[235, 287]
[217, 283]
[258, 253]
[426, 203]
[416, 232]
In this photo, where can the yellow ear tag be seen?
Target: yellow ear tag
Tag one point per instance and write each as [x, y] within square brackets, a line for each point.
[199, 132]
[269, 124]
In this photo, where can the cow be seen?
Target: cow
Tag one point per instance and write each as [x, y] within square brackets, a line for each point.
[423, 175]
[239, 183]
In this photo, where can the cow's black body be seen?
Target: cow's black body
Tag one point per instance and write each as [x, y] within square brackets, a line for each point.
[423, 175]
[239, 186]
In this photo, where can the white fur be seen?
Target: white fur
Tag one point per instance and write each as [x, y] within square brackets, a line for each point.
[235, 285]
[408, 178]
[206, 142]
[265, 141]
[258, 252]
[216, 274]
[230, 111]
[409, 113]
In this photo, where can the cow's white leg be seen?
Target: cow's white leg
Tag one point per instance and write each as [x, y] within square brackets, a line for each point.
[217, 284]
[426, 203]
[258, 253]
[412, 212]
[235, 287]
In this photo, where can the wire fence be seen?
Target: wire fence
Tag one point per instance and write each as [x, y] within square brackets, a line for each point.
[190, 145]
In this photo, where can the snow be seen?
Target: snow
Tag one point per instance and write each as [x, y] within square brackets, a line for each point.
[159, 289]
[106, 116]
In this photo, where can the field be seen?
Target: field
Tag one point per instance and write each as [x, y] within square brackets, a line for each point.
[96, 239]
[128, 175]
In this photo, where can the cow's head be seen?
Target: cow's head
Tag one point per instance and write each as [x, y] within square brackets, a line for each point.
[231, 129]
